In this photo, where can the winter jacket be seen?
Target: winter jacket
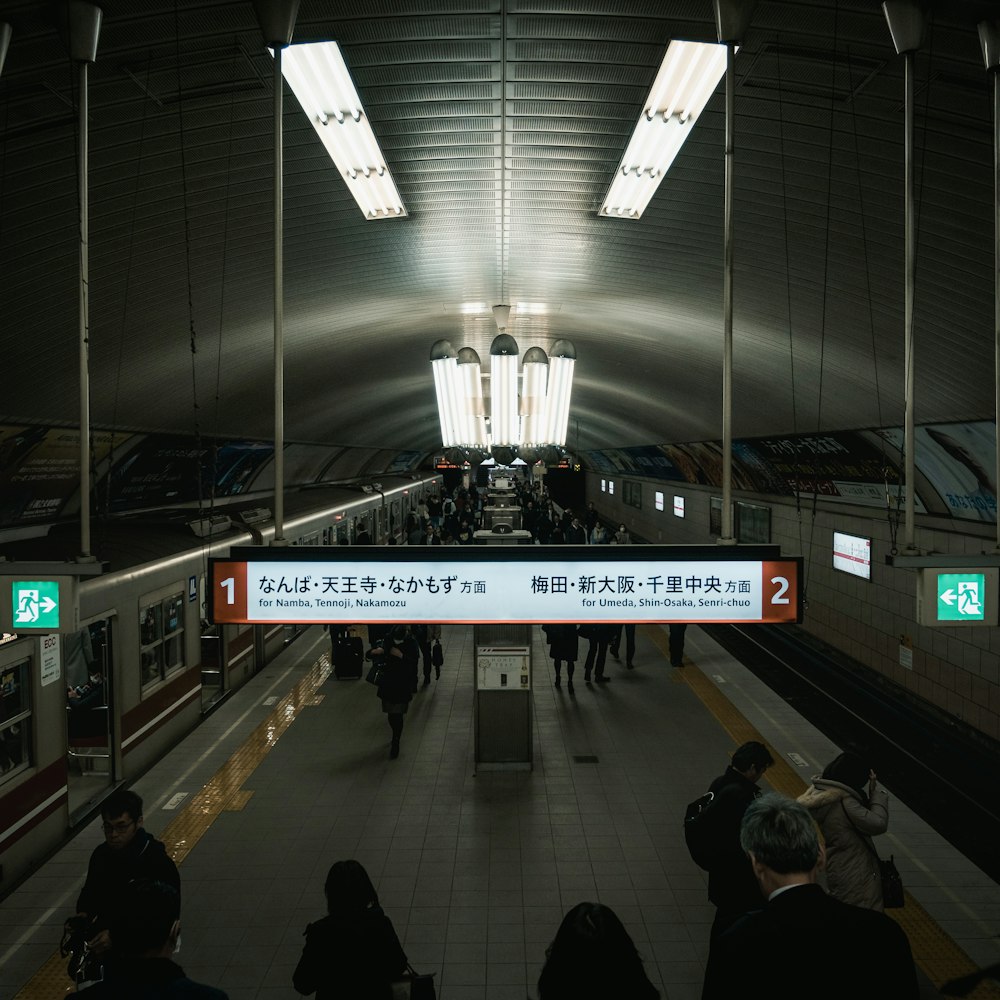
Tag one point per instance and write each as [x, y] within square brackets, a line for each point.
[112, 870]
[563, 643]
[356, 958]
[852, 870]
[732, 884]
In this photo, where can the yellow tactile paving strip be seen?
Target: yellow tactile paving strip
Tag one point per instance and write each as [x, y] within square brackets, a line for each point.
[934, 951]
[223, 793]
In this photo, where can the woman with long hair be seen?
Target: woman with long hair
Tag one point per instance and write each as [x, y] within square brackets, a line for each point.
[849, 807]
[593, 958]
[353, 951]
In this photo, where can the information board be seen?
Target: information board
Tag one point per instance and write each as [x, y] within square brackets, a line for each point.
[502, 668]
[526, 584]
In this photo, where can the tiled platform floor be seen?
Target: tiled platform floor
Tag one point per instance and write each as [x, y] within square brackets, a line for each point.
[475, 872]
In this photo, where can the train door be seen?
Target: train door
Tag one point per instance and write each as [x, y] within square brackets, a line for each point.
[91, 725]
[213, 674]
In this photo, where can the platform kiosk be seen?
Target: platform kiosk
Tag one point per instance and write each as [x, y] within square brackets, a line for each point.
[503, 697]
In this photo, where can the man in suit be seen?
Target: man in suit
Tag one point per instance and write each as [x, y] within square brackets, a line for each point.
[815, 946]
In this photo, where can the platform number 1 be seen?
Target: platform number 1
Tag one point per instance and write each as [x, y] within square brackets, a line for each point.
[230, 585]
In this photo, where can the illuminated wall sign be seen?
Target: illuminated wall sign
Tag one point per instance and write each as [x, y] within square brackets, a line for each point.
[39, 606]
[957, 597]
[658, 500]
[533, 584]
[678, 506]
[852, 554]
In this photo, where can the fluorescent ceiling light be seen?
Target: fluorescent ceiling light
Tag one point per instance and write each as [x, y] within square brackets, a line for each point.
[531, 308]
[318, 76]
[688, 76]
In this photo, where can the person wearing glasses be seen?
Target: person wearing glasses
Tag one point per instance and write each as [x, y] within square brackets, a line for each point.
[129, 854]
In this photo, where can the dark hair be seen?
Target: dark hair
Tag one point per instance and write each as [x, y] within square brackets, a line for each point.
[122, 800]
[781, 834]
[752, 754]
[848, 769]
[593, 958]
[349, 890]
[146, 916]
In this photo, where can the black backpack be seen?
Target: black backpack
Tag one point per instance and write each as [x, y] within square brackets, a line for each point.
[701, 830]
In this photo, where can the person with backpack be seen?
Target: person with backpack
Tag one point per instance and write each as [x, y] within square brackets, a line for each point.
[732, 885]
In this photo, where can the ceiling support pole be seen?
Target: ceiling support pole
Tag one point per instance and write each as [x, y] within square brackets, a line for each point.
[989, 40]
[277, 22]
[906, 24]
[732, 17]
[80, 24]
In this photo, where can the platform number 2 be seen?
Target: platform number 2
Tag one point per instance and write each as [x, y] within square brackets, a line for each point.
[779, 597]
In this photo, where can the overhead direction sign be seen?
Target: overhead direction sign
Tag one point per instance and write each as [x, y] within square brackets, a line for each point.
[527, 584]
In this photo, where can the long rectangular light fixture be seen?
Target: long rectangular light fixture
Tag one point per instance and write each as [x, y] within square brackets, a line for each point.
[318, 76]
[688, 76]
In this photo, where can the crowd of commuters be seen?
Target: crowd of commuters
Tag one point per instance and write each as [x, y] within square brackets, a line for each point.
[830, 947]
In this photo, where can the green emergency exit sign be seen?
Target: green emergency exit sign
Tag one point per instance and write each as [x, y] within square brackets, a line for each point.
[961, 597]
[35, 605]
[954, 596]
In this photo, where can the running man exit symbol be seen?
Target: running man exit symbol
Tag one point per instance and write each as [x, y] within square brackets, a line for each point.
[35, 604]
[960, 596]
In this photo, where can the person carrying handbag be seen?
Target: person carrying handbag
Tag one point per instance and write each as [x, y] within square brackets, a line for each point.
[849, 814]
[397, 680]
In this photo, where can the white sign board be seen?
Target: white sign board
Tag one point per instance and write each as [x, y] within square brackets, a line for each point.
[852, 554]
[555, 586]
[502, 668]
[50, 659]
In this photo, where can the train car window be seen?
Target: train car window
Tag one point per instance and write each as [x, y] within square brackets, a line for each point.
[161, 638]
[15, 718]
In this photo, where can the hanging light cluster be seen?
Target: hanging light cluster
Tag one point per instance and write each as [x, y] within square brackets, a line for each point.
[529, 412]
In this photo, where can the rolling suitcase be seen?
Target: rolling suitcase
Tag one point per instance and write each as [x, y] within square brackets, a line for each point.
[348, 657]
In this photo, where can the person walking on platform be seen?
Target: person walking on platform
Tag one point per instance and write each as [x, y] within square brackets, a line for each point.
[575, 534]
[616, 640]
[732, 886]
[599, 535]
[849, 815]
[563, 647]
[400, 655]
[621, 536]
[676, 643]
[815, 946]
[597, 634]
[353, 952]
[128, 853]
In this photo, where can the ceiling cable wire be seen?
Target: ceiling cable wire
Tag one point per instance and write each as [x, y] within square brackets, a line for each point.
[826, 282]
[187, 265]
[788, 293]
[893, 515]
[216, 411]
[108, 481]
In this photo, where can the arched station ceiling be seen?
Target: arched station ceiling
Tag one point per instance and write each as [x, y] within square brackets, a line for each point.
[502, 122]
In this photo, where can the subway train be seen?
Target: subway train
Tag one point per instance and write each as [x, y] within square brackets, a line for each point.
[81, 712]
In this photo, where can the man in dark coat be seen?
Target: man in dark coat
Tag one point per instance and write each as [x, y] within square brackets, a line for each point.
[146, 932]
[731, 882]
[822, 948]
[129, 854]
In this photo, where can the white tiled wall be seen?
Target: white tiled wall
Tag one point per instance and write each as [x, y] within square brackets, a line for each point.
[955, 669]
